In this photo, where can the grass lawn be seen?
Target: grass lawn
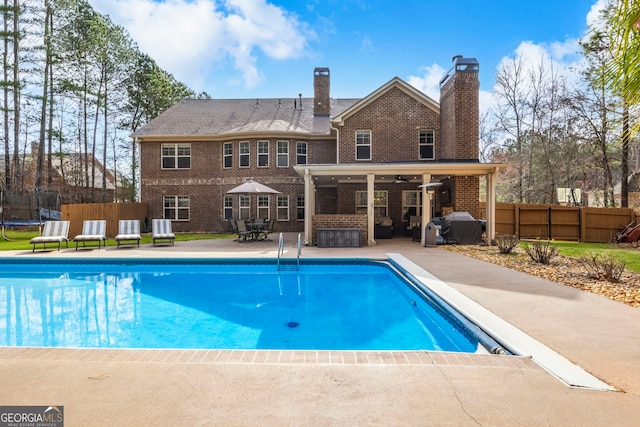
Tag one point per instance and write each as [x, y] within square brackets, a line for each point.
[575, 250]
[19, 240]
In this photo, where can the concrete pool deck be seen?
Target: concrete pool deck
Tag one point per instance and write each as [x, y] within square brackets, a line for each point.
[182, 387]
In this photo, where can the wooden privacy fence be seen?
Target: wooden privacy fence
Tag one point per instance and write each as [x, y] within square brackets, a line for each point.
[582, 224]
[111, 212]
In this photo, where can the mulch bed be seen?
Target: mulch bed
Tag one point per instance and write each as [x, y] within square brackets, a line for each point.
[564, 270]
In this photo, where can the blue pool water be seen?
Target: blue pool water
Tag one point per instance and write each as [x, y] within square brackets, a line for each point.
[221, 304]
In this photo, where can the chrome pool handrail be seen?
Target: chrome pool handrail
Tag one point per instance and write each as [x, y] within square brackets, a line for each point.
[280, 248]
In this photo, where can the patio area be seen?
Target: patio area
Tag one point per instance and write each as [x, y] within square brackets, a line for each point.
[211, 387]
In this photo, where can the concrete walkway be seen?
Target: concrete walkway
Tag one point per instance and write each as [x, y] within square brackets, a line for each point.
[183, 387]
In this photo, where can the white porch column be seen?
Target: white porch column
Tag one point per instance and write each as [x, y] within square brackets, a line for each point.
[490, 204]
[309, 207]
[426, 207]
[371, 178]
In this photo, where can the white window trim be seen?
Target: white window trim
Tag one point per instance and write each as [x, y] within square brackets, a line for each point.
[260, 207]
[279, 155]
[279, 208]
[385, 206]
[177, 207]
[306, 152]
[370, 145]
[259, 154]
[300, 206]
[175, 156]
[248, 154]
[433, 144]
[242, 208]
[418, 207]
[225, 155]
[225, 207]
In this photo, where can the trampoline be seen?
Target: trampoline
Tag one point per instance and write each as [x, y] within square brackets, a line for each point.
[28, 208]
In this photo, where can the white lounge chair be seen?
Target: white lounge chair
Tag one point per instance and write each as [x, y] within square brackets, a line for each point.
[92, 231]
[52, 232]
[128, 232]
[161, 230]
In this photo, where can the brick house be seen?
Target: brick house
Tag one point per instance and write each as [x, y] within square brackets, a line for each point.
[325, 156]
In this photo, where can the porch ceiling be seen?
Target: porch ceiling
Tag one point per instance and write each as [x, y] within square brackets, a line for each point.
[324, 175]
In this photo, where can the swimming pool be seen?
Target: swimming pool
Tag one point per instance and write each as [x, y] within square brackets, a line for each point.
[223, 304]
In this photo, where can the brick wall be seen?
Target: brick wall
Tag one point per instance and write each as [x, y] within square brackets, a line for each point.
[466, 194]
[339, 221]
[395, 119]
[321, 92]
[459, 112]
[207, 181]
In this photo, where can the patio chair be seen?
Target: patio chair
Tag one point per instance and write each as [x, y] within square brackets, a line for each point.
[414, 222]
[243, 232]
[128, 232]
[161, 231]
[92, 231]
[268, 228]
[52, 232]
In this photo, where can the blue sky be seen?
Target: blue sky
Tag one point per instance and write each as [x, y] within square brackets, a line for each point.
[260, 49]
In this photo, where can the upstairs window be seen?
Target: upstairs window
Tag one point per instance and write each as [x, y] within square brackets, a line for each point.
[301, 153]
[426, 145]
[243, 154]
[283, 154]
[227, 155]
[263, 154]
[176, 156]
[363, 145]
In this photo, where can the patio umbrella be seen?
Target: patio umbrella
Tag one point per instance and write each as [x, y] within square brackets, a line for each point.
[252, 187]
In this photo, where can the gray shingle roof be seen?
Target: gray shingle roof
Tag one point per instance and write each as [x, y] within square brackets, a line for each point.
[217, 117]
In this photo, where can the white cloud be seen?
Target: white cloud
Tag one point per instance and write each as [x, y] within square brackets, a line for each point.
[191, 37]
[367, 44]
[593, 17]
[429, 81]
[487, 101]
[563, 58]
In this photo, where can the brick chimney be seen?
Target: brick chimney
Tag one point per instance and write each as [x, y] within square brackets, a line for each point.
[459, 110]
[321, 92]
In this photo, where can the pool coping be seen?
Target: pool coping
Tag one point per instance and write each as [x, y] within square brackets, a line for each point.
[271, 357]
[512, 338]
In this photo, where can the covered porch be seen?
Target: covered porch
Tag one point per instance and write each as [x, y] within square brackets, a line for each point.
[398, 190]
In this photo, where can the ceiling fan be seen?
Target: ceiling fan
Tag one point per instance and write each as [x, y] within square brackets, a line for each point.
[400, 180]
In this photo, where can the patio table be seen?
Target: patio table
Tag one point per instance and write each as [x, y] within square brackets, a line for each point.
[256, 230]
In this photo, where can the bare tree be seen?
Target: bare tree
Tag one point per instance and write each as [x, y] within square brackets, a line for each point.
[511, 93]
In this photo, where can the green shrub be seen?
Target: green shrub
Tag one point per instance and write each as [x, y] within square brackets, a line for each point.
[506, 243]
[541, 251]
[603, 266]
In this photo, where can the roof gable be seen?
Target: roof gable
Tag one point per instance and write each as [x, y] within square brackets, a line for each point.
[396, 82]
